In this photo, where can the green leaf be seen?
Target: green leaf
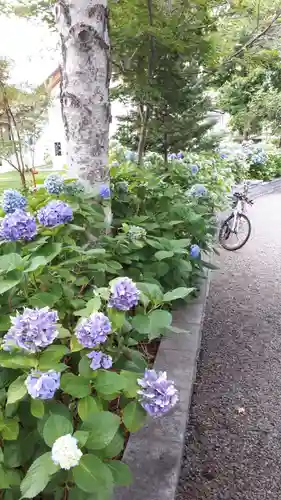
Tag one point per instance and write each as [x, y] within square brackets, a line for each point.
[17, 390]
[55, 427]
[121, 473]
[109, 382]
[50, 251]
[177, 293]
[92, 475]
[4, 483]
[63, 332]
[37, 408]
[104, 426]
[87, 407]
[114, 448]
[35, 263]
[134, 416]
[141, 324]
[117, 319]
[38, 476]
[163, 254]
[82, 437]
[84, 367]
[15, 361]
[132, 385]
[6, 285]
[92, 306]
[43, 299]
[5, 323]
[9, 429]
[14, 477]
[1, 456]
[10, 262]
[74, 344]
[159, 320]
[51, 356]
[78, 387]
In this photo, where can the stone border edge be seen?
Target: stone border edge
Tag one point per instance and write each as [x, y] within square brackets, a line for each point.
[154, 453]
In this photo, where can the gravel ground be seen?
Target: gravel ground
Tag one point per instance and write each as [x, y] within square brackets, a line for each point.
[233, 441]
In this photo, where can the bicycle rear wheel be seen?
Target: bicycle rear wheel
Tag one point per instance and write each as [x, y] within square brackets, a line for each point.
[235, 239]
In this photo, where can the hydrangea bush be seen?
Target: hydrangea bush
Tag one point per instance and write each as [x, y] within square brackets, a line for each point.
[78, 305]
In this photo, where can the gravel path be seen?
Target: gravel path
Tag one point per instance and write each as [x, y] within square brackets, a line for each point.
[233, 442]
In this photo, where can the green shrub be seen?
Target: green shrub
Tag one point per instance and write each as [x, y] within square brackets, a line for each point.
[160, 226]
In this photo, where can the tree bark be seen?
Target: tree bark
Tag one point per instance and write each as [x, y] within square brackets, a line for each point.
[83, 27]
[143, 134]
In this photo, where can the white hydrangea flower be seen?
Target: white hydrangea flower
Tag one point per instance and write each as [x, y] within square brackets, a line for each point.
[65, 452]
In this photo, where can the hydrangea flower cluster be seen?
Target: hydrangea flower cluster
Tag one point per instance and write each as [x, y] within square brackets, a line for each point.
[172, 156]
[198, 190]
[259, 158]
[32, 330]
[18, 225]
[180, 156]
[53, 214]
[136, 233]
[65, 452]
[194, 169]
[105, 192]
[195, 251]
[115, 164]
[130, 156]
[54, 184]
[94, 330]
[157, 394]
[99, 360]
[124, 294]
[42, 385]
[73, 188]
[13, 200]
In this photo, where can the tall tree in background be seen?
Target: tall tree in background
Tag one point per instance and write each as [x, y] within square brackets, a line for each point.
[83, 27]
[23, 113]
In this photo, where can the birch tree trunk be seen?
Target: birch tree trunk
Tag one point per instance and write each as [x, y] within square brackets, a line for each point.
[83, 27]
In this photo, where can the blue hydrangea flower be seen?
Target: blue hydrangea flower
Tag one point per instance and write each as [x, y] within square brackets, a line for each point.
[157, 394]
[13, 200]
[198, 190]
[32, 330]
[194, 169]
[172, 156]
[180, 156]
[195, 251]
[93, 331]
[18, 226]
[99, 360]
[42, 385]
[105, 191]
[54, 184]
[53, 214]
[223, 156]
[124, 294]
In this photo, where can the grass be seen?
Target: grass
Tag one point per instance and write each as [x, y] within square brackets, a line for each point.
[11, 180]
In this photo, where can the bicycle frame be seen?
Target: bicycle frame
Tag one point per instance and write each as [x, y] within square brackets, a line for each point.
[239, 208]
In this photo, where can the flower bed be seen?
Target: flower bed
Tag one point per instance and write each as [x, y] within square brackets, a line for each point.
[78, 309]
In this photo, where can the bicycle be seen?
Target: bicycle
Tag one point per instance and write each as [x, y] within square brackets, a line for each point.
[233, 225]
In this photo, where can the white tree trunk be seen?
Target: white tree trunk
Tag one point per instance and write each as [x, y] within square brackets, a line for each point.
[83, 26]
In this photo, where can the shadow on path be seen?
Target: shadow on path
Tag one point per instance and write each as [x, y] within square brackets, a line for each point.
[233, 441]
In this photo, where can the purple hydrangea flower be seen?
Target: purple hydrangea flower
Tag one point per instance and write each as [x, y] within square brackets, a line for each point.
[33, 330]
[157, 395]
[53, 214]
[223, 156]
[93, 331]
[105, 191]
[124, 294]
[99, 360]
[194, 169]
[195, 251]
[13, 200]
[180, 156]
[42, 385]
[172, 156]
[18, 226]
[198, 190]
[54, 184]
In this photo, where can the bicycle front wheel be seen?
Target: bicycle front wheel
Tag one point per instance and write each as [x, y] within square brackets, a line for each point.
[234, 238]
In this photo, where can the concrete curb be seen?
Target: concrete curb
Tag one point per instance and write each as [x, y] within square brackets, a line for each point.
[154, 453]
